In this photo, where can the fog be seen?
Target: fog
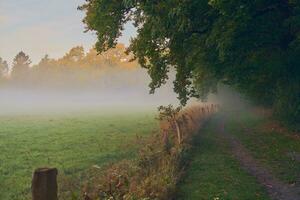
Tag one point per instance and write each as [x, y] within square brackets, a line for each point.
[110, 90]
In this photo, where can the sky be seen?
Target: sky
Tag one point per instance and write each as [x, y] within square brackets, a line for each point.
[40, 27]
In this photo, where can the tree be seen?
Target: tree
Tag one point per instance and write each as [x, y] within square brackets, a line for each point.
[43, 71]
[251, 45]
[45, 61]
[171, 116]
[21, 64]
[3, 68]
[115, 57]
[73, 58]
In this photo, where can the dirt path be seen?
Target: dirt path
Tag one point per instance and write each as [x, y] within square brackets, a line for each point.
[276, 189]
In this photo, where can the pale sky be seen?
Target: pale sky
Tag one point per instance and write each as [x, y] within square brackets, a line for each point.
[40, 27]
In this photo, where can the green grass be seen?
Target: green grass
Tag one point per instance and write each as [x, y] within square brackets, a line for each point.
[214, 174]
[270, 147]
[70, 142]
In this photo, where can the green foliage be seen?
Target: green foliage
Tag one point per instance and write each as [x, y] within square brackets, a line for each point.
[287, 104]
[170, 115]
[251, 45]
[168, 112]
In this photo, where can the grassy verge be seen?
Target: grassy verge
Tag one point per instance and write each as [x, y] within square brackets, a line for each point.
[276, 148]
[70, 142]
[156, 171]
[214, 174]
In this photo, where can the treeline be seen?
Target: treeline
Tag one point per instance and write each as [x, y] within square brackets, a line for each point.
[75, 68]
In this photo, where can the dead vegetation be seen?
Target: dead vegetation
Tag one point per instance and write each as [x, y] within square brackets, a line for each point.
[154, 174]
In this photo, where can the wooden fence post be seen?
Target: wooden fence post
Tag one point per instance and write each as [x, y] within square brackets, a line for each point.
[44, 184]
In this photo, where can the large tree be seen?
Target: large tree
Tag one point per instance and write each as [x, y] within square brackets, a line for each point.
[251, 45]
[20, 67]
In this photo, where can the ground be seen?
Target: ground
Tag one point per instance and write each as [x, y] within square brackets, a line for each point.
[71, 142]
[239, 156]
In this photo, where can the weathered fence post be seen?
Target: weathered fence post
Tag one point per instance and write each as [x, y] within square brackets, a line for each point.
[44, 184]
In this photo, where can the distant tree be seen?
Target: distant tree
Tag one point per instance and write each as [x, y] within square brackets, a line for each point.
[3, 68]
[43, 68]
[73, 58]
[20, 67]
[78, 67]
[45, 61]
[115, 57]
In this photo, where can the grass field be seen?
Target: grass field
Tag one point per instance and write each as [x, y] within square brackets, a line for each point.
[71, 142]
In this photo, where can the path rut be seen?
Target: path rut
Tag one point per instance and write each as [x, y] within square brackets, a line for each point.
[276, 189]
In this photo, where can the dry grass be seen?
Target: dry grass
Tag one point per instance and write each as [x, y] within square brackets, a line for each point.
[154, 174]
